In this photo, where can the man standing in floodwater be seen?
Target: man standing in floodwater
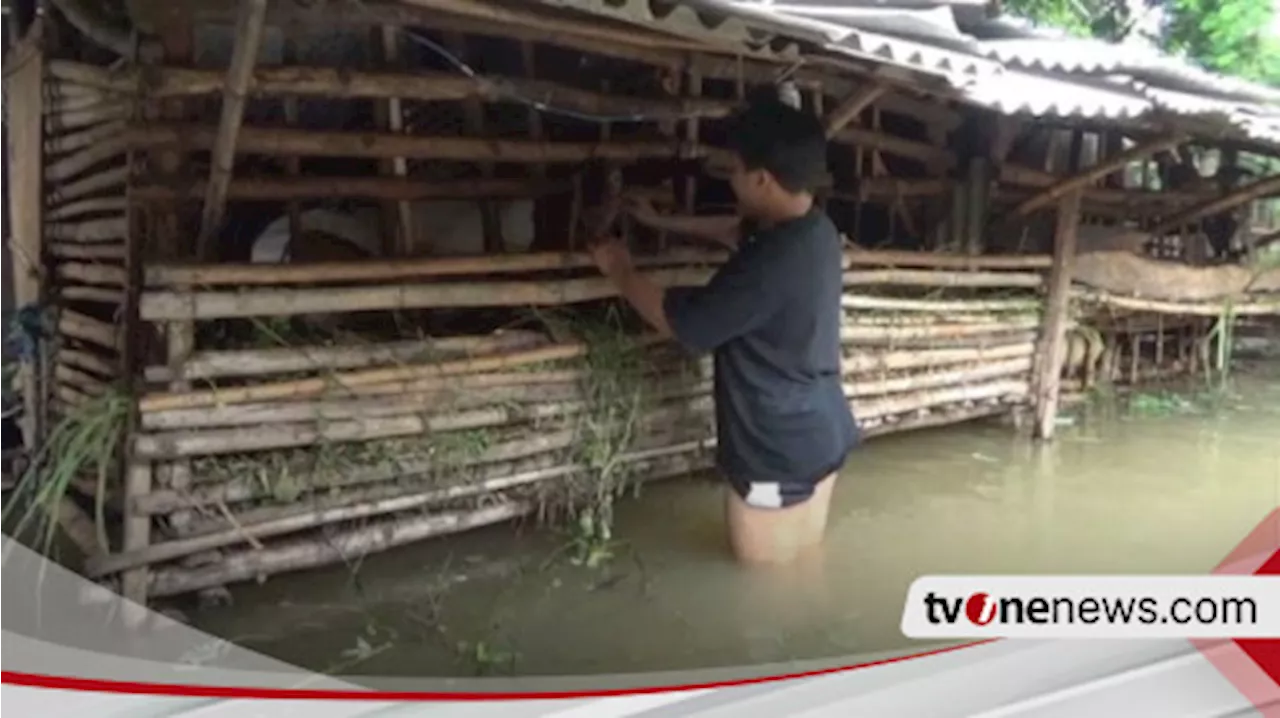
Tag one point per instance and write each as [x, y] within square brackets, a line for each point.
[771, 315]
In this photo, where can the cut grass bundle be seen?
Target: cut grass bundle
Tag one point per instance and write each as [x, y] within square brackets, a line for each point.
[613, 387]
[86, 441]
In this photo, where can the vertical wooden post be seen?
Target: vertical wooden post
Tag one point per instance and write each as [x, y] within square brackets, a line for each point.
[401, 211]
[293, 165]
[1160, 341]
[694, 82]
[249, 26]
[474, 122]
[137, 536]
[977, 185]
[24, 87]
[181, 337]
[1053, 337]
[1135, 352]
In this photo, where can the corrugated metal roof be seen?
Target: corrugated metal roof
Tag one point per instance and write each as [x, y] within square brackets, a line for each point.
[759, 26]
[1014, 92]
[1000, 63]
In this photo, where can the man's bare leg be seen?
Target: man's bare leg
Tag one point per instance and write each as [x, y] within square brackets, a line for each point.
[770, 536]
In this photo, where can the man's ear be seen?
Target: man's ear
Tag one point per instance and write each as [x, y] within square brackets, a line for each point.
[765, 180]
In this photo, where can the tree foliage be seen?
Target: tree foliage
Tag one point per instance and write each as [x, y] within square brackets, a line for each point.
[1230, 36]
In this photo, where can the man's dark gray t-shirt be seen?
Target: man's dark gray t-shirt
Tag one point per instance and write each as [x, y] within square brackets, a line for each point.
[772, 317]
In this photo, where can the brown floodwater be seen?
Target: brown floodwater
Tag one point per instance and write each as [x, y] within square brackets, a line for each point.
[1127, 487]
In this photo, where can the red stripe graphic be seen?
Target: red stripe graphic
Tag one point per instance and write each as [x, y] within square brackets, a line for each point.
[98, 685]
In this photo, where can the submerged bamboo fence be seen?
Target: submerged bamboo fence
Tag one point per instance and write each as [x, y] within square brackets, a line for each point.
[298, 454]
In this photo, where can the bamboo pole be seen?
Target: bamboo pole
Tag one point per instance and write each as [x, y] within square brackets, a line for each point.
[896, 360]
[393, 109]
[1057, 311]
[90, 385]
[112, 229]
[442, 402]
[930, 380]
[370, 145]
[883, 333]
[86, 328]
[858, 256]
[938, 306]
[512, 444]
[1000, 389]
[375, 536]
[107, 112]
[901, 319]
[852, 106]
[80, 208]
[249, 27]
[321, 272]
[420, 385]
[346, 478]
[428, 86]
[1261, 306]
[25, 187]
[93, 294]
[63, 144]
[315, 387]
[93, 273]
[1082, 179]
[384, 500]
[208, 442]
[107, 179]
[281, 189]
[884, 142]
[181, 341]
[936, 278]
[257, 362]
[306, 554]
[137, 533]
[170, 306]
[473, 124]
[945, 417]
[87, 361]
[60, 98]
[1248, 193]
[73, 164]
[79, 73]
[67, 250]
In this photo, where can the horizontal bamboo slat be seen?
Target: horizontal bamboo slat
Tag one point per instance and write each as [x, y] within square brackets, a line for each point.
[381, 145]
[286, 189]
[169, 306]
[257, 362]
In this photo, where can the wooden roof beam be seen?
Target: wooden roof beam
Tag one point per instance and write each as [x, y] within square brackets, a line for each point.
[1092, 174]
[852, 106]
[249, 28]
[1247, 193]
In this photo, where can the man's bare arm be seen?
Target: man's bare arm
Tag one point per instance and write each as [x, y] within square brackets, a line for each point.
[719, 229]
[647, 299]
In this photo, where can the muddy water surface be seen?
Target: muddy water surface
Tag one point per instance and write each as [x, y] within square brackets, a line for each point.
[1119, 492]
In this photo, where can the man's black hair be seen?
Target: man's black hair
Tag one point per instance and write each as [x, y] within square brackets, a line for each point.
[787, 143]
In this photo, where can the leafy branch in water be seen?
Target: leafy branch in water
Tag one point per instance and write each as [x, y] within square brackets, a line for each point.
[613, 395]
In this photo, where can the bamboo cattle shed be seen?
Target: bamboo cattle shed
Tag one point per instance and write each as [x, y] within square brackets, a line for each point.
[313, 275]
